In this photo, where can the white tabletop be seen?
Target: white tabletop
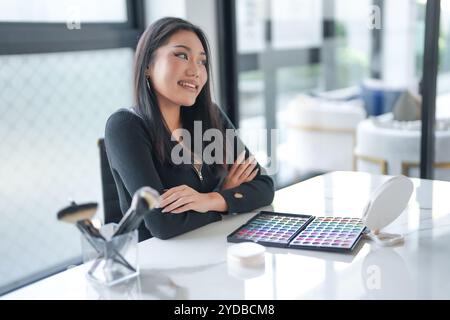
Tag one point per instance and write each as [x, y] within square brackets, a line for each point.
[194, 265]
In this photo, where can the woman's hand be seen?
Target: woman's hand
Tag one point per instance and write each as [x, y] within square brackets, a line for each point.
[241, 171]
[184, 198]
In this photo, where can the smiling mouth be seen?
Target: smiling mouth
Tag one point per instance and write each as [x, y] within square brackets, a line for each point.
[188, 85]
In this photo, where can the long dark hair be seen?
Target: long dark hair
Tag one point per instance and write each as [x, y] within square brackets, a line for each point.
[155, 36]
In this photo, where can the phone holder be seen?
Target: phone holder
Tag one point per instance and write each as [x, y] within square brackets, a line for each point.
[386, 204]
[112, 259]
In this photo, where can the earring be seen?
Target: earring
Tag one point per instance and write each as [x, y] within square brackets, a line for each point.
[148, 84]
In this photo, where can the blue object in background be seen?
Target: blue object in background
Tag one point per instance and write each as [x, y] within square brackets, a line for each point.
[379, 98]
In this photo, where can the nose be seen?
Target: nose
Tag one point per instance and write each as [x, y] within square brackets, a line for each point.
[193, 70]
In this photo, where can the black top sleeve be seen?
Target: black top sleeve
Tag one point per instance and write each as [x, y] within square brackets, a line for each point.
[249, 195]
[130, 156]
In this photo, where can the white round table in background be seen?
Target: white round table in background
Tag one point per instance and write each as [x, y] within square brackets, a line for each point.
[320, 133]
[391, 147]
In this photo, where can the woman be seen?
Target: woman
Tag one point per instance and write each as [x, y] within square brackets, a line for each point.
[172, 92]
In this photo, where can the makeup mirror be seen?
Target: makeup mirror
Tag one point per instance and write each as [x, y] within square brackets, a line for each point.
[386, 204]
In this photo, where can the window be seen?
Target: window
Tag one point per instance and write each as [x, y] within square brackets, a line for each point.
[59, 86]
[306, 68]
[292, 49]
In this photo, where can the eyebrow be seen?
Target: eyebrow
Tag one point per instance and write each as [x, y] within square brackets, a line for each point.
[187, 48]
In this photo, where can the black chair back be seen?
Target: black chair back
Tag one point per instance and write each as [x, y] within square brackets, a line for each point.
[111, 201]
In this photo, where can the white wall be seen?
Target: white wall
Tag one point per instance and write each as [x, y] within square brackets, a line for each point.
[399, 42]
[203, 14]
[158, 9]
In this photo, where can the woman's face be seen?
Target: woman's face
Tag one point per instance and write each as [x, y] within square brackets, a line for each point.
[178, 72]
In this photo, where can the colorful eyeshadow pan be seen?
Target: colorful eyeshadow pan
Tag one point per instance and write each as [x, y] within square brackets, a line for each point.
[329, 233]
[300, 231]
[270, 229]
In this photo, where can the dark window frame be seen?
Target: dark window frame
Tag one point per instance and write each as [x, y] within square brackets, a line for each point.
[428, 88]
[30, 37]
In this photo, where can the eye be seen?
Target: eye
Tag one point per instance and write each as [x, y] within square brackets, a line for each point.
[203, 62]
[181, 55]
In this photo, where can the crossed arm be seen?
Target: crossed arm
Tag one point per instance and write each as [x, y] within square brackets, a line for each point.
[183, 198]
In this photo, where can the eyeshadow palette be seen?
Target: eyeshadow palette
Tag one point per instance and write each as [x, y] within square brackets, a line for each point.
[300, 231]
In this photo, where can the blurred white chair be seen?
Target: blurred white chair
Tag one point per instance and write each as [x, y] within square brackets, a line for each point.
[320, 133]
[393, 147]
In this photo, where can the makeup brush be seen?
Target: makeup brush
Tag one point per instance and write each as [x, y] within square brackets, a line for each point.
[144, 199]
[80, 215]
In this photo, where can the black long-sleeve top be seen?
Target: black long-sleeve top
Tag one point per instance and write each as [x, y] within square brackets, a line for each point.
[134, 165]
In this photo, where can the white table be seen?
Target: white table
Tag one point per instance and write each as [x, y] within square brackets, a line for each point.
[194, 266]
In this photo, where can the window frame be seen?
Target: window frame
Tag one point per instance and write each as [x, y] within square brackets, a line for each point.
[43, 37]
